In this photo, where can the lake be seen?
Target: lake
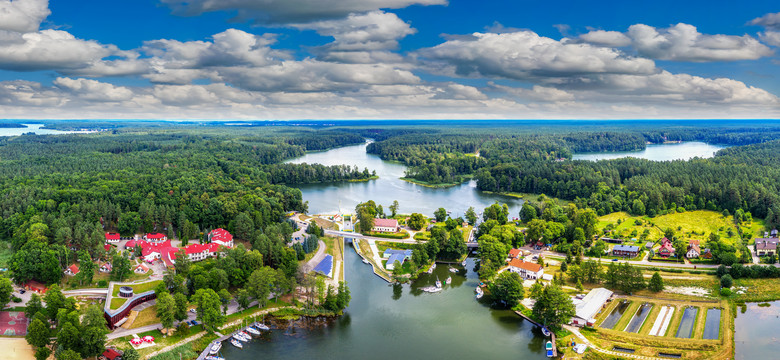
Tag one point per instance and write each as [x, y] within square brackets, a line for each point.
[658, 152]
[36, 128]
[400, 321]
[329, 198]
[757, 331]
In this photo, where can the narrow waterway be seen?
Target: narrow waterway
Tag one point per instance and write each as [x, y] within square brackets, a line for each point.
[326, 198]
[401, 322]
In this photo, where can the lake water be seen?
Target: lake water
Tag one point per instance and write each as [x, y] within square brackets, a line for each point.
[660, 152]
[328, 198]
[36, 128]
[757, 331]
[401, 322]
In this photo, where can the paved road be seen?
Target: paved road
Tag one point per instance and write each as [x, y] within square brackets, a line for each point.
[309, 266]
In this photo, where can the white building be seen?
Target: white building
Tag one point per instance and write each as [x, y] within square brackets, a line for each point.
[528, 270]
[587, 308]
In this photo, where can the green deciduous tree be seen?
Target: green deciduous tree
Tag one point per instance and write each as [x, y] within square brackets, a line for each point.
[38, 333]
[656, 283]
[508, 288]
[553, 307]
[166, 309]
[208, 308]
[180, 302]
[416, 221]
[440, 214]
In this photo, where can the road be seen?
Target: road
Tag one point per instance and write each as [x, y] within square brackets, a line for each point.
[361, 236]
[316, 258]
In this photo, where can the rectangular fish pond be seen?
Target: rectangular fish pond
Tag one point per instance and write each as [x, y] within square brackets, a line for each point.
[712, 325]
[686, 324]
[639, 318]
[615, 315]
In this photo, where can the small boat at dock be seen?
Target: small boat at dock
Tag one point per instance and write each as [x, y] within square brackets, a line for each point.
[480, 293]
[546, 332]
[431, 289]
[433, 267]
[215, 347]
[263, 327]
[449, 280]
[365, 261]
[549, 348]
[236, 343]
[454, 270]
[240, 337]
[438, 284]
[253, 331]
[463, 263]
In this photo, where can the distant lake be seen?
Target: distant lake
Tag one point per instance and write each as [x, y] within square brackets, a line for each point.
[660, 152]
[36, 128]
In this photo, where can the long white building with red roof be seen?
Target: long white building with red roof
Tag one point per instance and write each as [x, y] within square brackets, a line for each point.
[221, 237]
[164, 251]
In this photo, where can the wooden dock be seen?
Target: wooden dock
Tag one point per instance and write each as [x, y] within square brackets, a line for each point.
[552, 334]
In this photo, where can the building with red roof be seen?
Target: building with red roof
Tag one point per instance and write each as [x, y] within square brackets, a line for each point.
[112, 237]
[666, 249]
[141, 269]
[527, 270]
[131, 244]
[155, 237]
[33, 285]
[515, 253]
[72, 270]
[385, 225]
[222, 237]
[105, 267]
[110, 354]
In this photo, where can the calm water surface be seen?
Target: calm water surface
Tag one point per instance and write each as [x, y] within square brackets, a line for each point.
[35, 128]
[661, 152]
[402, 322]
[326, 198]
[757, 332]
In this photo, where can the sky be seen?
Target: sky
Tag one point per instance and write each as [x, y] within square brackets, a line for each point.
[389, 59]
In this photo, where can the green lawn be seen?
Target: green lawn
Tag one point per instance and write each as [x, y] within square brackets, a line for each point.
[693, 225]
[138, 288]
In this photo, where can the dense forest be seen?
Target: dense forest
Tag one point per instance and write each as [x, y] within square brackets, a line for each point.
[62, 193]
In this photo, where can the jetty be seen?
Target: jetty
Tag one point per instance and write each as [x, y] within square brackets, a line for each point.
[552, 334]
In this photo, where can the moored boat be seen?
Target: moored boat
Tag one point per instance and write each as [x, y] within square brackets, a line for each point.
[449, 280]
[480, 293]
[454, 270]
[463, 263]
[438, 284]
[252, 331]
[262, 326]
[212, 357]
[236, 343]
[545, 331]
[215, 347]
[365, 261]
[549, 348]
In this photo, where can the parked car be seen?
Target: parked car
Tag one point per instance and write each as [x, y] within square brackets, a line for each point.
[22, 291]
[614, 259]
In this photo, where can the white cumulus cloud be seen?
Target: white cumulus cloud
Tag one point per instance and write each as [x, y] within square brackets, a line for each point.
[23, 15]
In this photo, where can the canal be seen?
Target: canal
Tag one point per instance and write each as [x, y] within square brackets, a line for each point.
[400, 321]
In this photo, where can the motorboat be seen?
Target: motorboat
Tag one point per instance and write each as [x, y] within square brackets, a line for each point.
[463, 263]
[454, 270]
[212, 357]
[240, 337]
[480, 293]
[549, 348]
[433, 267]
[546, 332]
[215, 347]
[262, 326]
[449, 280]
[431, 289]
[365, 261]
[236, 343]
[252, 331]
[438, 284]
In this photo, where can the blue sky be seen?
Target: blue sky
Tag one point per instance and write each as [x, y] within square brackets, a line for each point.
[310, 59]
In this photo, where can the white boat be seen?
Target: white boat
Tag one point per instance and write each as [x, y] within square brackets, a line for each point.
[252, 331]
[463, 263]
[438, 284]
[212, 357]
[245, 334]
[215, 347]
[431, 289]
[433, 267]
[454, 270]
[236, 343]
[545, 332]
[365, 261]
[262, 326]
[480, 293]
[449, 280]
[240, 337]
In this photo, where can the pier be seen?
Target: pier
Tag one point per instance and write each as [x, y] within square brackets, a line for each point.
[552, 334]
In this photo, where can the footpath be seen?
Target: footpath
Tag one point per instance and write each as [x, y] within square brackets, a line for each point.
[582, 339]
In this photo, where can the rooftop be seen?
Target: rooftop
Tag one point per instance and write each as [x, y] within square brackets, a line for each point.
[386, 222]
[525, 265]
[628, 248]
[592, 303]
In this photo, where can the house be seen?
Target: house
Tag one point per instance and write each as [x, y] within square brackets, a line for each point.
[141, 269]
[706, 254]
[155, 237]
[394, 256]
[72, 270]
[33, 285]
[589, 306]
[649, 245]
[611, 240]
[385, 225]
[625, 250]
[693, 249]
[528, 270]
[666, 249]
[112, 237]
[105, 267]
[515, 254]
[539, 245]
[221, 237]
[766, 246]
[130, 244]
[198, 252]
[110, 354]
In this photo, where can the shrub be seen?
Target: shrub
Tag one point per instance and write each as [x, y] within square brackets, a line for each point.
[102, 283]
[726, 281]
[16, 299]
[725, 292]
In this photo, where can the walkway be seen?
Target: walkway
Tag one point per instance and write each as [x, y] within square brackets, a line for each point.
[584, 340]
[309, 266]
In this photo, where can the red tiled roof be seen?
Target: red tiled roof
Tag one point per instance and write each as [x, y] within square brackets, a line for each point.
[130, 244]
[155, 236]
[73, 269]
[106, 265]
[528, 266]
[142, 266]
[111, 354]
[112, 236]
[665, 241]
[386, 222]
[221, 235]
[514, 253]
[198, 248]
[666, 248]
[694, 242]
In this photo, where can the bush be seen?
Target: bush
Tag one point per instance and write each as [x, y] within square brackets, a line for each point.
[726, 281]
[102, 283]
[16, 299]
[725, 292]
